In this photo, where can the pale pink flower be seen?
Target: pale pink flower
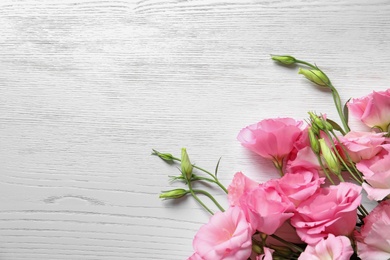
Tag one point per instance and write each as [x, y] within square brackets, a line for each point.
[330, 210]
[227, 236]
[266, 209]
[373, 109]
[332, 248]
[376, 172]
[373, 240]
[271, 138]
[362, 145]
[195, 256]
[299, 186]
[305, 159]
[267, 254]
[240, 185]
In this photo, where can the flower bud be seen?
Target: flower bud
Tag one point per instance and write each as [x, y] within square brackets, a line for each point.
[285, 59]
[283, 251]
[164, 156]
[186, 166]
[328, 126]
[173, 194]
[315, 129]
[330, 157]
[257, 249]
[315, 76]
[314, 141]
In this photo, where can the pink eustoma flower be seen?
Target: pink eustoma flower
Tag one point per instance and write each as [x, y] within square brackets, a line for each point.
[330, 210]
[373, 109]
[362, 145]
[228, 235]
[266, 209]
[271, 138]
[305, 159]
[240, 185]
[376, 172]
[335, 248]
[373, 240]
[195, 256]
[299, 186]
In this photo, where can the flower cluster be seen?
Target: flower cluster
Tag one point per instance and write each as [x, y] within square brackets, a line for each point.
[314, 210]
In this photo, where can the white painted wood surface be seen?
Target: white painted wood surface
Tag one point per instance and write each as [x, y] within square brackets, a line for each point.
[88, 88]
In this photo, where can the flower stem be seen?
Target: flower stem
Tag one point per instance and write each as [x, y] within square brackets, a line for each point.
[216, 181]
[335, 94]
[363, 210]
[211, 198]
[278, 163]
[289, 244]
[197, 198]
[337, 101]
[324, 169]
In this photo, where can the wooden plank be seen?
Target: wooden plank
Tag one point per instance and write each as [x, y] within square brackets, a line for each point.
[88, 88]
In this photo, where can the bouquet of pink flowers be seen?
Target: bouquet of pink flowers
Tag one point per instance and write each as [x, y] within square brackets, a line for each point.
[314, 210]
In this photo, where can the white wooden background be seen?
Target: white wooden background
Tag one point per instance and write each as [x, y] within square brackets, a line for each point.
[89, 87]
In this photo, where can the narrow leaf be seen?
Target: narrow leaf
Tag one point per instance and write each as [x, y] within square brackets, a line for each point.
[216, 168]
[346, 111]
[335, 126]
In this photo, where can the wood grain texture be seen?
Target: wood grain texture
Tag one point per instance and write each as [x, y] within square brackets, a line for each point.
[88, 88]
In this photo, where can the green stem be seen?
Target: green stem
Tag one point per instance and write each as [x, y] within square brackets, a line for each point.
[211, 198]
[216, 181]
[340, 157]
[278, 163]
[197, 199]
[324, 169]
[289, 244]
[337, 101]
[335, 94]
[215, 178]
[363, 210]
[360, 179]
[198, 178]
[306, 63]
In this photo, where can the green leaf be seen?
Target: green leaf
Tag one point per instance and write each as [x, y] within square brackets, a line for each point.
[216, 168]
[335, 126]
[346, 111]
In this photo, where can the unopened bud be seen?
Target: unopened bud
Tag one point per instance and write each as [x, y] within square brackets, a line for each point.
[315, 129]
[257, 249]
[315, 76]
[173, 194]
[328, 126]
[285, 59]
[317, 121]
[283, 251]
[314, 141]
[330, 157]
[164, 156]
[186, 166]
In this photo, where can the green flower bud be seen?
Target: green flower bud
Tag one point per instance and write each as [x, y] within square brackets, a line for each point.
[283, 251]
[315, 76]
[186, 166]
[257, 249]
[328, 126]
[319, 122]
[330, 157]
[173, 194]
[315, 145]
[315, 129]
[164, 156]
[285, 59]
